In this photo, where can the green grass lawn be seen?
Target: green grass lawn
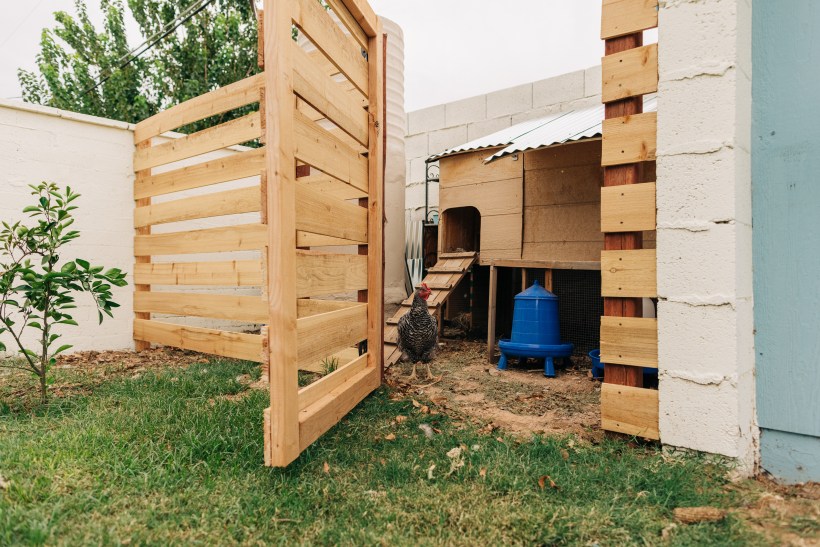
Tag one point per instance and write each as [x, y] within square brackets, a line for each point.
[167, 458]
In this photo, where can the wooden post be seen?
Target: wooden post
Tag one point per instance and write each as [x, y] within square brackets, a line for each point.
[491, 313]
[141, 345]
[283, 417]
[615, 176]
[548, 279]
[523, 279]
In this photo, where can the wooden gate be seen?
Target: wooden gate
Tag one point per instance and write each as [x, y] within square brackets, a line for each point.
[629, 342]
[317, 181]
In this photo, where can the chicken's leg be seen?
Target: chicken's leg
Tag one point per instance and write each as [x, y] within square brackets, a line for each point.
[413, 374]
[429, 374]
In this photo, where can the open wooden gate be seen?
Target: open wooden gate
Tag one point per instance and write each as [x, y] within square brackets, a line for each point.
[629, 342]
[317, 181]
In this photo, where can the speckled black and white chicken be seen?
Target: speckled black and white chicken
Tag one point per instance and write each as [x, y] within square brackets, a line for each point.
[418, 332]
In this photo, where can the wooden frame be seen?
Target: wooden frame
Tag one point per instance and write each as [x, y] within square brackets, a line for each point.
[628, 272]
[341, 85]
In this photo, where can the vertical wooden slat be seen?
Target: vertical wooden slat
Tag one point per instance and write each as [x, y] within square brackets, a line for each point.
[281, 205]
[491, 313]
[375, 201]
[142, 345]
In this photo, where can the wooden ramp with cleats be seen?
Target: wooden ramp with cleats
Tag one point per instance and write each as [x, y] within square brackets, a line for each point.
[441, 279]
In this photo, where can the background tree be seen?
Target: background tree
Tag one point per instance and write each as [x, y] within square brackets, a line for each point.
[214, 47]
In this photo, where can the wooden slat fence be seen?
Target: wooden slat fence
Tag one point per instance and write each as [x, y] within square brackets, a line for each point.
[316, 180]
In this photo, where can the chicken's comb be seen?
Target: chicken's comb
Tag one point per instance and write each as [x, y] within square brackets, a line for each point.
[424, 286]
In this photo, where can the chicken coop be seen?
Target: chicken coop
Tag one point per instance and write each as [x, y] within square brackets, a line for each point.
[568, 200]
[297, 217]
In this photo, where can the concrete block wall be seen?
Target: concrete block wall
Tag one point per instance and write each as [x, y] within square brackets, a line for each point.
[705, 321]
[434, 129]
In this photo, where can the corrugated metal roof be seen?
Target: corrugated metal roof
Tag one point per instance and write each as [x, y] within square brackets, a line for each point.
[555, 129]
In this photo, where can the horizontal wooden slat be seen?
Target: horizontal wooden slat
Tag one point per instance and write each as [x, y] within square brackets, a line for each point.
[321, 335]
[320, 149]
[309, 394]
[629, 273]
[630, 410]
[212, 103]
[323, 273]
[364, 15]
[236, 345]
[329, 38]
[328, 97]
[236, 166]
[330, 186]
[629, 341]
[630, 73]
[328, 410]
[312, 306]
[308, 239]
[326, 215]
[350, 23]
[229, 202]
[234, 273]
[629, 139]
[236, 131]
[217, 306]
[244, 237]
[620, 17]
[628, 207]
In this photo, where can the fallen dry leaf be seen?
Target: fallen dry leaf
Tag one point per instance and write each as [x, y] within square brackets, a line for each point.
[424, 409]
[564, 454]
[482, 472]
[499, 439]
[4, 484]
[416, 404]
[542, 482]
[326, 468]
[430, 471]
[401, 419]
[390, 437]
[693, 515]
[427, 429]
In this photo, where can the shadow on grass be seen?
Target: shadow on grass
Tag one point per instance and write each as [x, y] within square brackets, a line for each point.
[174, 457]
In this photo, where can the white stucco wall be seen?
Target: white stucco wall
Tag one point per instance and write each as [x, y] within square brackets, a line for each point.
[437, 128]
[705, 322]
[94, 157]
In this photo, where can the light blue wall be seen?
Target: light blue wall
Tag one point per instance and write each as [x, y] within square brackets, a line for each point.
[786, 219]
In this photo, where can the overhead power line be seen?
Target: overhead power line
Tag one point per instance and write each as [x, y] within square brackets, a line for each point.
[135, 53]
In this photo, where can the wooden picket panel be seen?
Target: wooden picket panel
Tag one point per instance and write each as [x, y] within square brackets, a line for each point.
[324, 273]
[233, 167]
[244, 237]
[331, 186]
[323, 334]
[228, 202]
[306, 307]
[236, 273]
[311, 393]
[235, 345]
[629, 341]
[630, 73]
[629, 139]
[621, 17]
[630, 410]
[328, 216]
[322, 150]
[628, 208]
[316, 88]
[349, 22]
[342, 51]
[216, 306]
[218, 101]
[629, 273]
[236, 131]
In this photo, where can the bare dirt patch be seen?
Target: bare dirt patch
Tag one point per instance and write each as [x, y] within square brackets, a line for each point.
[520, 400]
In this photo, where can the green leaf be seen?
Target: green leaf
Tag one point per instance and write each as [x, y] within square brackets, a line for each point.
[84, 264]
[62, 348]
[68, 267]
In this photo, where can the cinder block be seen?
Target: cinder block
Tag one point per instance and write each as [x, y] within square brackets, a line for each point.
[559, 89]
[415, 146]
[697, 38]
[581, 104]
[487, 127]
[592, 81]
[696, 115]
[697, 266]
[426, 119]
[700, 417]
[473, 109]
[417, 171]
[414, 196]
[542, 112]
[509, 101]
[444, 139]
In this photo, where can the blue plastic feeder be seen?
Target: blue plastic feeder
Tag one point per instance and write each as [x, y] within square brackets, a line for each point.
[535, 332]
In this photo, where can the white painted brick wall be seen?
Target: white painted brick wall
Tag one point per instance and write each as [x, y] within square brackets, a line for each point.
[705, 321]
[564, 88]
[465, 111]
[509, 101]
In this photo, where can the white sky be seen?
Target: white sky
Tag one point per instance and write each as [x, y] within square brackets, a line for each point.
[453, 48]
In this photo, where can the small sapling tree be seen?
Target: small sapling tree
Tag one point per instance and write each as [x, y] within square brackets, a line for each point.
[38, 288]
